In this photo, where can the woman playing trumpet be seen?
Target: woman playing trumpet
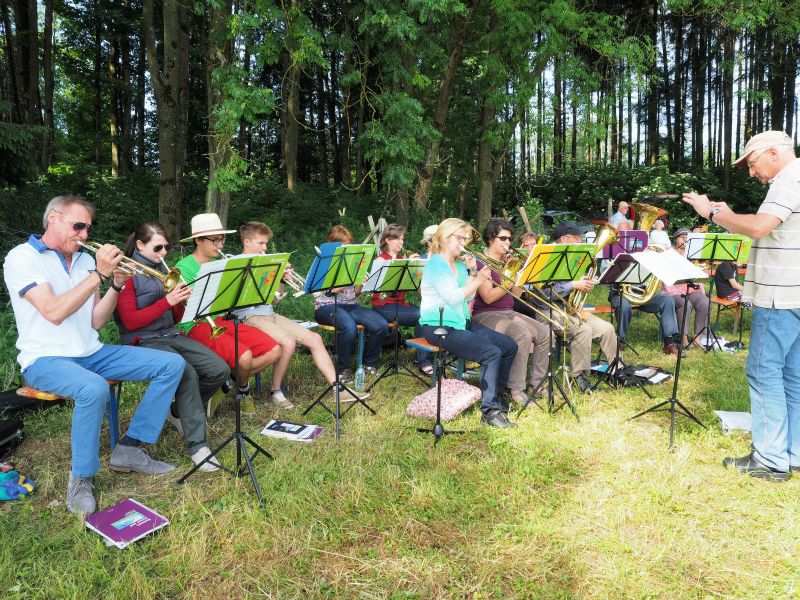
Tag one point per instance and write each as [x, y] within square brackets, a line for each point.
[393, 306]
[146, 315]
[494, 308]
[445, 289]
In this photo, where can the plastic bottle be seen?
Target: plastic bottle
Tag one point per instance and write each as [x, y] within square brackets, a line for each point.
[359, 379]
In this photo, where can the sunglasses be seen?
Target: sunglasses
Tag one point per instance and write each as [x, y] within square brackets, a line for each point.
[504, 238]
[160, 247]
[77, 226]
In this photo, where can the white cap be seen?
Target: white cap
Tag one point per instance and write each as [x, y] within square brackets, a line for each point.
[206, 224]
[763, 142]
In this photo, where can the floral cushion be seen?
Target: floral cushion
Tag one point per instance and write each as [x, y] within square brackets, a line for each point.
[457, 396]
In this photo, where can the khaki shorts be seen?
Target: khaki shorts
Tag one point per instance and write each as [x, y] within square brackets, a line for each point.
[278, 327]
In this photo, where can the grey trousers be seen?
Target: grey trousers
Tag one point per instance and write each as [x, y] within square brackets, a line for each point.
[525, 332]
[579, 336]
[697, 301]
[203, 375]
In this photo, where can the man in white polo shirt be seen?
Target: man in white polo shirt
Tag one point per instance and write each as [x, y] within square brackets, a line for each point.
[772, 285]
[54, 289]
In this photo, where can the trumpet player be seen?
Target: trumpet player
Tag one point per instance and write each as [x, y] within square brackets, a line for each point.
[255, 237]
[257, 350]
[54, 289]
[146, 315]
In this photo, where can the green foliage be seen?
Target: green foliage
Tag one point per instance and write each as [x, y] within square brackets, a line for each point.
[19, 146]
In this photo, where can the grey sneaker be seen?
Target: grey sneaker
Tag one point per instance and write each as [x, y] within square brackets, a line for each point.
[80, 495]
[281, 401]
[176, 422]
[135, 458]
[208, 466]
[371, 371]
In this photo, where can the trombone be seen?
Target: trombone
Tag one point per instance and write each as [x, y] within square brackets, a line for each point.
[508, 271]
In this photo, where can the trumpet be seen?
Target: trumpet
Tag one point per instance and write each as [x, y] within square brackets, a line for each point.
[171, 280]
[294, 280]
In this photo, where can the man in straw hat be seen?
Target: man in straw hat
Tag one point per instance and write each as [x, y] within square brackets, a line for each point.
[55, 293]
[772, 285]
[256, 349]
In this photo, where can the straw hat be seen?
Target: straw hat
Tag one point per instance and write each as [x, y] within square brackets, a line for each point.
[428, 233]
[206, 224]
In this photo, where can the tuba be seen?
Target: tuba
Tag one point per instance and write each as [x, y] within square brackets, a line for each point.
[637, 295]
[605, 236]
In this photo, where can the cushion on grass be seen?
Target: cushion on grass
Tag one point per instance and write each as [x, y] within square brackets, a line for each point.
[457, 396]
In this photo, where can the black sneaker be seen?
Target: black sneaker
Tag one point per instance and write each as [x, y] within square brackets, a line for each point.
[496, 418]
[583, 384]
[750, 465]
[346, 376]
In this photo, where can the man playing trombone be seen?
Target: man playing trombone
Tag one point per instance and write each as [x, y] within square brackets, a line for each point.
[54, 289]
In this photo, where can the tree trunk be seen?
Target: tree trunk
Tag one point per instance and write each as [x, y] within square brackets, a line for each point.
[47, 66]
[727, 105]
[558, 145]
[220, 139]
[114, 112]
[97, 85]
[485, 178]
[427, 170]
[291, 126]
[171, 91]
[140, 97]
[322, 137]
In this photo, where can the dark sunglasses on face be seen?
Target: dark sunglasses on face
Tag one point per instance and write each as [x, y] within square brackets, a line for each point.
[160, 247]
[77, 226]
[504, 238]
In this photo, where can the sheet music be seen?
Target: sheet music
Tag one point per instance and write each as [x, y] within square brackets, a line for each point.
[193, 306]
[669, 266]
[376, 275]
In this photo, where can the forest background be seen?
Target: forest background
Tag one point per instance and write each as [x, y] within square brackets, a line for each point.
[295, 111]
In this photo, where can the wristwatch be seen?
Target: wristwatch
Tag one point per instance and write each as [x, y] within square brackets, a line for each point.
[713, 212]
[114, 287]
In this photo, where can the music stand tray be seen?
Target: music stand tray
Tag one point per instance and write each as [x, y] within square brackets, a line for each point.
[549, 263]
[222, 286]
[338, 265]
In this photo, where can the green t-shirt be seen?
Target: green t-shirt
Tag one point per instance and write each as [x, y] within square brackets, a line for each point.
[189, 267]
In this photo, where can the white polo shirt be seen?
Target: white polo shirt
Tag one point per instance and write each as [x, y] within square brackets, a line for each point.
[31, 264]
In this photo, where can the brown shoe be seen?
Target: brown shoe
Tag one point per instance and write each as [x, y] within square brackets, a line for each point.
[673, 349]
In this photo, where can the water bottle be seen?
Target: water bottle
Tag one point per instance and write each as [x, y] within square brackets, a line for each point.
[359, 379]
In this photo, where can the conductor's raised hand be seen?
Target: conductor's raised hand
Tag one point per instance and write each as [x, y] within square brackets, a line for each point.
[699, 202]
[179, 293]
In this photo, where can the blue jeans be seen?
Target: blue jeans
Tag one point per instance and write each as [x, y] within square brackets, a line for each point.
[84, 380]
[350, 315]
[773, 373]
[408, 316]
[494, 351]
[661, 304]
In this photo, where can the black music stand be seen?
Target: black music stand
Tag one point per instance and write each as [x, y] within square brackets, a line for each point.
[716, 247]
[438, 429]
[548, 264]
[242, 282]
[398, 275]
[622, 270]
[675, 405]
[338, 265]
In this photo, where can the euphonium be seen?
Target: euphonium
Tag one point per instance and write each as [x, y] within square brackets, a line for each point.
[605, 236]
[638, 294]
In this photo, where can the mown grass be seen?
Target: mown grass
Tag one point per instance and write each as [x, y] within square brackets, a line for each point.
[553, 509]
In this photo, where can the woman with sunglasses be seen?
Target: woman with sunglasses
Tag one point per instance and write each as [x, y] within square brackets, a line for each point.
[393, 307]
[494, 308]
[446, 286]
[146, 317]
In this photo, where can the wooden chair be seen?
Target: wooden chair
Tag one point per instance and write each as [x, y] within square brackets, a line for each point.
[425, 345]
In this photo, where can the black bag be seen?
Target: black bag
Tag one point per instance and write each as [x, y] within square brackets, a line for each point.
[11, 434]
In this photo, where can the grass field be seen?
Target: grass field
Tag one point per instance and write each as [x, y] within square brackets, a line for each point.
[553, 509]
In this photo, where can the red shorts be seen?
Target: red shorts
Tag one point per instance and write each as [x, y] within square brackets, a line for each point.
[250, 338]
